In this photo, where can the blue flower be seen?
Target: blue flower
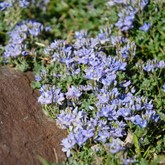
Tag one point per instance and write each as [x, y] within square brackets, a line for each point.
[145, 27]
[160, 64]
[142, 3]
[80, 138]
[125, 84]
[5, 5]
[151, 115]
[88, 133]
[118, 130]
[139, 121]
[17, 36]
[80, 34]
[48, 28]
[49, 96]
[163, 88]
[128, 161]
[25, 53]
[45, 97]
[148, 106]
[110, 77]
[34, 28]
[73, 93]
[85, 87]
[67, 61]
[149, 67]
[124, 112]
[58, 97]
[12, 50]
[68, 143]
[38, 78]
[103, 98]
[138, 107]
[69, 117]
[103, 135]
[67, 49]
[24, 3]
[94, 73]
[108, 112]
[115, 146]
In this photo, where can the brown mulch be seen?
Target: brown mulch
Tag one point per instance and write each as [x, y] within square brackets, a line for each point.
[25, 132]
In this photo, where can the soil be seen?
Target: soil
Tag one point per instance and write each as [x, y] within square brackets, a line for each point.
[25, 132]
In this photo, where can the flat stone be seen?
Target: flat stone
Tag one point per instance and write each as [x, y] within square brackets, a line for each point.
[25, 132]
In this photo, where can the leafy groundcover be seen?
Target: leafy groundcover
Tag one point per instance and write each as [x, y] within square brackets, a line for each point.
[100, 70]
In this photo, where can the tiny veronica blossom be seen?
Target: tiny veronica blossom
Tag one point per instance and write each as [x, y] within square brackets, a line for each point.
[128, 161]
[5, 5]
[161, 64]
[45, 97]
[68, 144]
[139, 121]
[24, 3]
[50, 96]
[116, 145]
[73, 92]
[38, 78]
[149, 67]
[145, 27]
[58, 97]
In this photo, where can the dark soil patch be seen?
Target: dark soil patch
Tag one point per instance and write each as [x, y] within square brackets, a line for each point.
[25, 132]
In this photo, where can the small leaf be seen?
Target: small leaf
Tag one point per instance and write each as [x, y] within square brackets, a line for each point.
[36, 85]
[136, 144]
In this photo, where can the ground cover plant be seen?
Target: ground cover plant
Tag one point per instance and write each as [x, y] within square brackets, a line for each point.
[100, 69]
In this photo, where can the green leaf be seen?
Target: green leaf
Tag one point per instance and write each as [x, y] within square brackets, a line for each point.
[36, 85]
[136, 144]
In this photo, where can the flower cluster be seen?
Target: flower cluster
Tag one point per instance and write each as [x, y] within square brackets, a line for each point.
[128, 12]
[17, 45]
[152, 65]
[104, 119]
[9, 3]
[50, 95]
[87, 80]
